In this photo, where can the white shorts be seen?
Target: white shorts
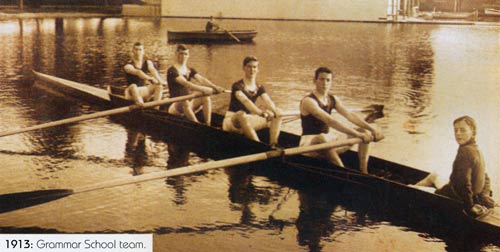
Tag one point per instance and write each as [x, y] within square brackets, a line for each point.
[257, 122]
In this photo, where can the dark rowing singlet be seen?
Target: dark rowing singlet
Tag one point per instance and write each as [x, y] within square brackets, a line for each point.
[313, 126]
[176, 89]
[235, 105]
[134, 79]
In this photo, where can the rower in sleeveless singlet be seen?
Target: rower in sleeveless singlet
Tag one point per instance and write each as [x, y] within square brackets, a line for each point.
[244, 116]
[181, 81]
[316, 119]
[142, 77]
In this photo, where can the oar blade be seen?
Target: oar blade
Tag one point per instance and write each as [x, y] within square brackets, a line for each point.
[14, 201]
[372, 117]
[373, 108]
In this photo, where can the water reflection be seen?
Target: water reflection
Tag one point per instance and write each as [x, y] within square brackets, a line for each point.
[135, 152]
[178, 156]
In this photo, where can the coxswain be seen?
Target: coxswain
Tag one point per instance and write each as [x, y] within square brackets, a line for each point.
[469, 182]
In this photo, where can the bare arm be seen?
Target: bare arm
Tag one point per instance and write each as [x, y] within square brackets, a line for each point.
[249, 105]
[309, 106]
[188, 84]
[200, 78]
[268, 102]
[355, 119]
[154, 72]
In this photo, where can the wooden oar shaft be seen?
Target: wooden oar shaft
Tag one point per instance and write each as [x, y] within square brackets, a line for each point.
[232, 35]
[177, 172]
[99, 114]
[318, 147]
[217, 164]
[368, 109]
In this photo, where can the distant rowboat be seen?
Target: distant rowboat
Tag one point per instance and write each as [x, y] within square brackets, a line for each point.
[212, 37]
[453, 15]
[491, 12]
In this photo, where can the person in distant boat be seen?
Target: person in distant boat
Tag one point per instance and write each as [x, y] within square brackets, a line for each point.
[243, 116]
[181, 81]
[143, 79]
[211, 25]
[316, 120]
[469, 181]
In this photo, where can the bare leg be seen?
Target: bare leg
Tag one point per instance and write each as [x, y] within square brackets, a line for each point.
[134, 93]
[334, 158]
[241, 120]
[207, 110]
[430, 181]
[188, 111]
[156, 91]
[331, 154]
[274, 131]
[363, 150]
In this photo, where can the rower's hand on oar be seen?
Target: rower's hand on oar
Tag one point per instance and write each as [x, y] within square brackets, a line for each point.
[366, 137]
[219, 90]
[268, 114]
[377, 135]
[277, 113]
[153, 80]
[207, 91]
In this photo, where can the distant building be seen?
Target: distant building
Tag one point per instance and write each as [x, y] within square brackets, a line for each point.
[352, 10]
[456, 5]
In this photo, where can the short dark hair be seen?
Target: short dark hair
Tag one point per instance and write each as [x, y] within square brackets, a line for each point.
[322, 70]
[181, 47]
[249, 59]
[138, 44]
[469, 121]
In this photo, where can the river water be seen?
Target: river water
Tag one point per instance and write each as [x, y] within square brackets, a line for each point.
[425, 75]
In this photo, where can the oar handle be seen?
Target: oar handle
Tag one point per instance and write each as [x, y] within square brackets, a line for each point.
[373, 108]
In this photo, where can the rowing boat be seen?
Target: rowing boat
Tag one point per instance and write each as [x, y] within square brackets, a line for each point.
[492, 12]
[388, 180]
[211, 37]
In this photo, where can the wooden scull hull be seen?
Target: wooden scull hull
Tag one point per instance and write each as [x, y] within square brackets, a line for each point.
[211, 37]
[492, 12]
[389, 180]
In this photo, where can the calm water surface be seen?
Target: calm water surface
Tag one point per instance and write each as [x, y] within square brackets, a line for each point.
[425, 75]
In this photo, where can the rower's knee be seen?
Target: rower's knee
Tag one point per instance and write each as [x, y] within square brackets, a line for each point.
[132, 88]
[240, 118]
[319, 139]
[158, 88]
[185, 105]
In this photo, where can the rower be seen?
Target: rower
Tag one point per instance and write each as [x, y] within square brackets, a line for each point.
[315, 113]
[211, 25]
[181, 79]
[243, 116]
[143, 79]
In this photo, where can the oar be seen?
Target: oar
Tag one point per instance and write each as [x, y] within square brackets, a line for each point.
[230, 34]
[101, 114]
[373, 108]
[14, 201]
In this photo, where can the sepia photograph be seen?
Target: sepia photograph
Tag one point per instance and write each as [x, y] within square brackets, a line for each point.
[264, 125]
